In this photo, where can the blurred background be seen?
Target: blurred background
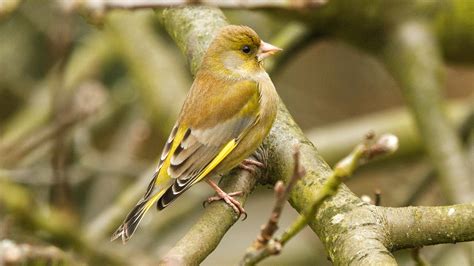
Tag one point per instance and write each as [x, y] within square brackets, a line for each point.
[86, 103]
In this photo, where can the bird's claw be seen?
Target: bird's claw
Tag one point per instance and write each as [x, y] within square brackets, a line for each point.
[228, 198]
[250, 164]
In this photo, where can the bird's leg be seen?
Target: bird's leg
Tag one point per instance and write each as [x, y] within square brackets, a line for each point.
[227, 197]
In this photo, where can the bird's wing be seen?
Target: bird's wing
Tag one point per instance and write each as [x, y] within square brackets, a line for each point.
[197, 148]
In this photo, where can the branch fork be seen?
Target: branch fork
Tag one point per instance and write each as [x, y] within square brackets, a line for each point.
[266, 245]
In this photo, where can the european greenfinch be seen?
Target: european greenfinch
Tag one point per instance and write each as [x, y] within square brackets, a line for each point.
[229, 110]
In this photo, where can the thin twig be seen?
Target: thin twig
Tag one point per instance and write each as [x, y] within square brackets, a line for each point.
[281, 194]
[361, 154]
[378, 197]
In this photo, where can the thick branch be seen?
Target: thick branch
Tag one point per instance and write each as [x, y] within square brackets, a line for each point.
[421, 226]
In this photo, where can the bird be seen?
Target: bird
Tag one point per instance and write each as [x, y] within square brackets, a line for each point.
[227, 113]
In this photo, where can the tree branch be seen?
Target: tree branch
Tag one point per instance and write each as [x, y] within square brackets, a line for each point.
[411, 227]
[12, 253]
[209, 229]
[414, 59]
[361, 154]
[101, 5]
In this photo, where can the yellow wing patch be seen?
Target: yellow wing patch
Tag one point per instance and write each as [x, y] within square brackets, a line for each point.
[220, 156]
[163, 177]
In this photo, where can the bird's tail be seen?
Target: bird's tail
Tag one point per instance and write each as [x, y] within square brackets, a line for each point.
[128, 227]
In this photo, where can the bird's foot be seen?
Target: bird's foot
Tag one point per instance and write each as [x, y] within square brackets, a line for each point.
[227, 197]
[250, 164]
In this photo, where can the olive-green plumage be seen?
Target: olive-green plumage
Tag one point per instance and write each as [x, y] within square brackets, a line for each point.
[229, 110]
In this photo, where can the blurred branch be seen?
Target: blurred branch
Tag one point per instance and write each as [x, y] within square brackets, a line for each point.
[361, 154]
[107, 220]
[368, 19]
[113, 167]
[455, 29]
[335, 140]
[161, 82]
[378, 197]
[87, 60]
[84, 64]
[56, 226]
[415, 192]
[7, 7]
[365, 23]
[12, 253]
[88, 99]
[419, 259]
[100, 6]
[36, 113]
[413, 57]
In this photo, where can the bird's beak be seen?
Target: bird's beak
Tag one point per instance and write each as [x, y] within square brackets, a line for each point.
[266, 50]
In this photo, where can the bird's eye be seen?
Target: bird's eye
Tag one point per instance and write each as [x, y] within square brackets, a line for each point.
[246, 49]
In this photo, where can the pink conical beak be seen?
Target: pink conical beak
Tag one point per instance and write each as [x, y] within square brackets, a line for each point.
[266, 50]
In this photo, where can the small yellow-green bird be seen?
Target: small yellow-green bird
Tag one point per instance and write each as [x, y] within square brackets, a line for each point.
[229, 110]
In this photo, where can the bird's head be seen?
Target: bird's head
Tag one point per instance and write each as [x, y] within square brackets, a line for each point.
[238, 50]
